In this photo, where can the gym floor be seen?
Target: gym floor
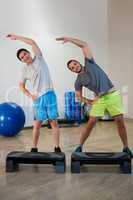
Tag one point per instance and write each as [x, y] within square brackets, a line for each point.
[41, 182]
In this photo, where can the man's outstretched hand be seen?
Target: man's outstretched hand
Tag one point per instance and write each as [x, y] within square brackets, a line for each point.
[12, 36]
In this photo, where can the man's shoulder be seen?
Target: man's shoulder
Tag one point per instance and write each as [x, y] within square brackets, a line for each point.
[37, 57]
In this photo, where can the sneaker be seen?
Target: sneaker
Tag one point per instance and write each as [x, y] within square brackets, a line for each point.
[78, 149]
[34, 150]
[57, 149]
[128, 151]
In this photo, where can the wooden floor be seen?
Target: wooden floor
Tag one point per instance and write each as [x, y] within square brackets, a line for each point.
[42, 183]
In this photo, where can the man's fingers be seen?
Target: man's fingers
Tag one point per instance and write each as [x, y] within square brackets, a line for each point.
[12, 37]
[59, 39]
[9, 35]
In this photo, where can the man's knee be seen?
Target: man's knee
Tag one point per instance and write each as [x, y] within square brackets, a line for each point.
[92, 120]
[53, 123]
[119, 119]
[37, 124]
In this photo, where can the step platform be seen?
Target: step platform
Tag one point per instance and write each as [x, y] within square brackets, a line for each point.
[101, 158]
[19, 157]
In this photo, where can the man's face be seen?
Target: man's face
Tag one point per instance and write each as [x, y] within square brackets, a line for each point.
[25, 57]
[75, 66]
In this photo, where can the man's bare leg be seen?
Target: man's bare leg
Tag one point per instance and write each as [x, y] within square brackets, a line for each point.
[56, 135]
[86, 132]
[123, 133]
[35, 135]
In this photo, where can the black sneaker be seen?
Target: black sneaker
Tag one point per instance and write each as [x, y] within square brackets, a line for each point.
[57, 149]
[78, 149]
[128, 151]
[34, 150]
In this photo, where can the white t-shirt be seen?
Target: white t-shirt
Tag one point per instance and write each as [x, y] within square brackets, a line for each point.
[38, 74]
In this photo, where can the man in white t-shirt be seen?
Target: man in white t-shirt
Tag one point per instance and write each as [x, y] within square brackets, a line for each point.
[44, 98]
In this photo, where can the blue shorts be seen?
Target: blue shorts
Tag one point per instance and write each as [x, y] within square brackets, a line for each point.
[45, 107]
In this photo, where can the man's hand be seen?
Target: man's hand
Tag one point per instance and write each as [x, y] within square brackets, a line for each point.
[91, 102]
[34, 98]
[12, 36]
[63, 39]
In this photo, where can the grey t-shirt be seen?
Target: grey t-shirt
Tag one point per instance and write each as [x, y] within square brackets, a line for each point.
[94, 78]
[39, 76]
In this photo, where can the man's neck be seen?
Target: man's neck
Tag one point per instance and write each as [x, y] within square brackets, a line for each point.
[82, 70]
[30, 62]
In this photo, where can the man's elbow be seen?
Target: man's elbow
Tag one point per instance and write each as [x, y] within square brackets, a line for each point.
[78, 98]
[32, 42]
[21, 87]
[85, 44]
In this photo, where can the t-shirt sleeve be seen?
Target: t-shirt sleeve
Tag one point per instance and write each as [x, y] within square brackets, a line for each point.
[37, 61]
[23, 77]
[78, 86]
[38, 56]
[89, 60]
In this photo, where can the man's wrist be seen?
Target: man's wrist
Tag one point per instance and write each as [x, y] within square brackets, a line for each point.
[29, 95]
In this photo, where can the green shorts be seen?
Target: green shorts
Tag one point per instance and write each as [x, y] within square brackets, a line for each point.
[111, 103]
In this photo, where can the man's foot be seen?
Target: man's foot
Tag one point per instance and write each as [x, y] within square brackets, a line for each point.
[78, 149]
[128, 151]
[57, 149]
[34, 150]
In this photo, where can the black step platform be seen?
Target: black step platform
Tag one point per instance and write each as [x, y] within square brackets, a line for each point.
[19, 157]
[101, 158]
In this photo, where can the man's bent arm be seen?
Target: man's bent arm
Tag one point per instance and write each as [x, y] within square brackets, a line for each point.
[25, 91]
[80, 98]
[83, 45]
[28, 41]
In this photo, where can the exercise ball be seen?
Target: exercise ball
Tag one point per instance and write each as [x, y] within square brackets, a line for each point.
[12, 119]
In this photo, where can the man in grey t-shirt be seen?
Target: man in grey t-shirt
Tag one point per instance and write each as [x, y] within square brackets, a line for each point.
[44, 99]
[107, 98]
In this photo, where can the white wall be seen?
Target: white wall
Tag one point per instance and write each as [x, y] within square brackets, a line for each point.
[44, 20]
[120, 31]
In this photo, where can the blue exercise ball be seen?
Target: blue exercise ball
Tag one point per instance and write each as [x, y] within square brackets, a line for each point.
[12, 119]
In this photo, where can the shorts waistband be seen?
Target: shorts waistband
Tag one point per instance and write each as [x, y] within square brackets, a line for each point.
[109, 92]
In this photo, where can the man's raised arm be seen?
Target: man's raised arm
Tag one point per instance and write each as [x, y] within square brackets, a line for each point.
[83, 45]
[26, 40]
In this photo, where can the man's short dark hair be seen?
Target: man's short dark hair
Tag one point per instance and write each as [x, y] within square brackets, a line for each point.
[19, 51]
